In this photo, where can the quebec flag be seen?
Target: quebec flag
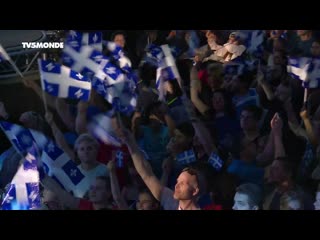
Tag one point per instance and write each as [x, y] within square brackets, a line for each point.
[167, 69]
[215, 161]
[117, 87]
[85, 60]
[77, 39]
[154, 55]
[118, 54]
[101, 128]
[23, 138]
[58, 165]
[254, 42]
[61, 81]
[306, 70]
[23, 192]
[186, 157]
[240, 66]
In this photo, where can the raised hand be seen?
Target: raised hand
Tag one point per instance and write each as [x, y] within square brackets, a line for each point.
[304, 113]
[276, 124]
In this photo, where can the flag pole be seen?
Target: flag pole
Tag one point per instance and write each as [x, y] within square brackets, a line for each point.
[305, 97]
[44, 57]
[15, 67]
[8, 58]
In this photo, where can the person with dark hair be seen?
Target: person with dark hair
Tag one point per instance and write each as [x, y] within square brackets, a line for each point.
[173, 96]
[302, 46]
[220, 118]
[251, 144]
[248, 197]
[282, 172]
[146, 38]
[315, 48]
[120, 38]
[243, 94]
[146, 201]
[153, 129]
[201, 92]
[146, 87]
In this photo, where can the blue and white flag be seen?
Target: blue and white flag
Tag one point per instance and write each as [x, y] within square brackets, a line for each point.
[239, 66]
[119, 159]
[23, 192]
[23, 138]
[167, 69]
[186, 157]
[3, 54]
[154, 55]
[117, 53]
[110, 73]
[234, 69]
[61, 81]
[85, 60]
[118, 88]
[101, 127]
[215, 161]
[254, 42]
[77, 39]
[60, 167]
[306, 70]
[122, 96]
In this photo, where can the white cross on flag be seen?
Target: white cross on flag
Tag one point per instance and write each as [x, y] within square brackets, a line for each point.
[306, 70]
[61, 81]
[23, 192]
[215, 161]
[186, 157]
[78, 39]
[22, 138]
[60, 167]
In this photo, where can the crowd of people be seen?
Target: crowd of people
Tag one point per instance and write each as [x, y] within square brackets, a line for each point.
[252, 137]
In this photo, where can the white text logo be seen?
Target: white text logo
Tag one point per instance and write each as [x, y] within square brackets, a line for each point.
[42, 44]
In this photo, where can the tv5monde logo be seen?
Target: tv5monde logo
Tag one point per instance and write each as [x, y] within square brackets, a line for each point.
[39, 45]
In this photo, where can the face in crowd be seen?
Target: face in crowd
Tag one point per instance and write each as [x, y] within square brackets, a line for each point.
[187, 186]
[100, 191]
[86, 151]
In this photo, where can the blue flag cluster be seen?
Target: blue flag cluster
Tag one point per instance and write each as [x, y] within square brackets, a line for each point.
[23, 193]
[112, 77]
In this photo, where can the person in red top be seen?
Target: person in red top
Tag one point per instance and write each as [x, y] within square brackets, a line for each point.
[105, 156]
[99, 195]
[213, 206]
